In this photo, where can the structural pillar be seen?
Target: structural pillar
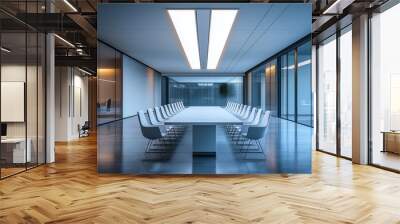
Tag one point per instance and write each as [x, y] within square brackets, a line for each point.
[360, 90]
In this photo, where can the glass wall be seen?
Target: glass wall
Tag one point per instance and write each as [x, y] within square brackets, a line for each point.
[291, 87]
[271, 87]
[327, 95]
[346, 95]
[284, 86]
[304, 85]
[109, 81]
[22, 87]
[205, 91]
[256, 79]
[385, 89]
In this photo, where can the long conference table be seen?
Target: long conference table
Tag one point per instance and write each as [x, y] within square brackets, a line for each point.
[204, 120]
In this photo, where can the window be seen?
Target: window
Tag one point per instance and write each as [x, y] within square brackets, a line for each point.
[385, 88]
[327, 95]
[346, 92]
[291, 87]
[205, 91]
[284, 87]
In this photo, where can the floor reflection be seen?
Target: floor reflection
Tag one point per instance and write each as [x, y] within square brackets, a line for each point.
[286, 146]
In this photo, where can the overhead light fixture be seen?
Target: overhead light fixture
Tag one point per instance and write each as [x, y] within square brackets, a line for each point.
[65, 41]
[221, 23]
[70, 5]
[5, 50]
[84, 71]
[338, 6]
[185, 25]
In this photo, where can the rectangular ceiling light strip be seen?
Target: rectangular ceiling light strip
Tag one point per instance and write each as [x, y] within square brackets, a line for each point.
[185, 25]
[220, 26]
[64, 40]
[70, 5]
[5, 50]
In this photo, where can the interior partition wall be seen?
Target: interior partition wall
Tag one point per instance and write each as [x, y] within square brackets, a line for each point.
[385, 88]
[22, 77]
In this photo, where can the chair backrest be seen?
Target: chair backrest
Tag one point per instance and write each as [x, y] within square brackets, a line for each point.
[243, 112]
[143, 121]
[170, 109]
[246, 113]
[252, 115]
[258, 132]
[175, 107]
[239, 109]
[257, 118]
[169, 114]
[164, 113]
[153, 119]
[264, 119]
[159, 116]
[148, 131]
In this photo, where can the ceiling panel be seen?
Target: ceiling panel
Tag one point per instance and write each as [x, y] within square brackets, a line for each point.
[145, 32]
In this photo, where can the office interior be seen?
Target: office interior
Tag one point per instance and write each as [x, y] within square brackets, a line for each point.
[60, 103]
[46, 95]
[150, 72]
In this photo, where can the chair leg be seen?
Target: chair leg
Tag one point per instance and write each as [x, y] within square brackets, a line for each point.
[148, 145]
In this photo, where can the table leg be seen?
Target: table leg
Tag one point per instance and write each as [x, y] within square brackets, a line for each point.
[204, 139]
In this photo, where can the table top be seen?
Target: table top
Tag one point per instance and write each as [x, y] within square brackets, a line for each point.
[206, 115]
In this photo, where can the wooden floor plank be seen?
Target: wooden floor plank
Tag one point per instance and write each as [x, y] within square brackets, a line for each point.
[71, 191]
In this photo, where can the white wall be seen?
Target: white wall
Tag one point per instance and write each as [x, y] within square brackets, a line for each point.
[71, 103]
[141, 87]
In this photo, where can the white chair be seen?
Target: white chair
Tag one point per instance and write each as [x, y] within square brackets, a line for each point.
[255, 133]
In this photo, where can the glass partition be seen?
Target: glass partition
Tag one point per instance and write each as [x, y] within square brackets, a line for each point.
[256, 78]
[284, 86]
[22, 95]
[346, 92]
[327, 95]
[205, 91]
[109, 81]
[304, 85]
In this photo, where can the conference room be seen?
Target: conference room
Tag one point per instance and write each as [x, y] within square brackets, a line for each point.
[195, 88]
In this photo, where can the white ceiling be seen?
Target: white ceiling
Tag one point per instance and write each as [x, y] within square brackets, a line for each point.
[145, 32]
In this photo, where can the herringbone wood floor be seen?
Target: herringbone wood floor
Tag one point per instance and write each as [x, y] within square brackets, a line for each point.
[70, 191]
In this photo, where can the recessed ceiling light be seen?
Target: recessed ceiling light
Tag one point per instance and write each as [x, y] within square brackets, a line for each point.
[221, 23]
[70, 5]
[185, 25]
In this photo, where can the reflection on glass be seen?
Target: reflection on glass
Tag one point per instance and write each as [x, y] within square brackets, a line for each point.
[109, 82]
[256, 87]
[284, 87]
[346, 92]
[291, 81]
[385, 85]
[271, 88]
[15, 149]
[201, 91]
[327, 95]
[304, 88]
